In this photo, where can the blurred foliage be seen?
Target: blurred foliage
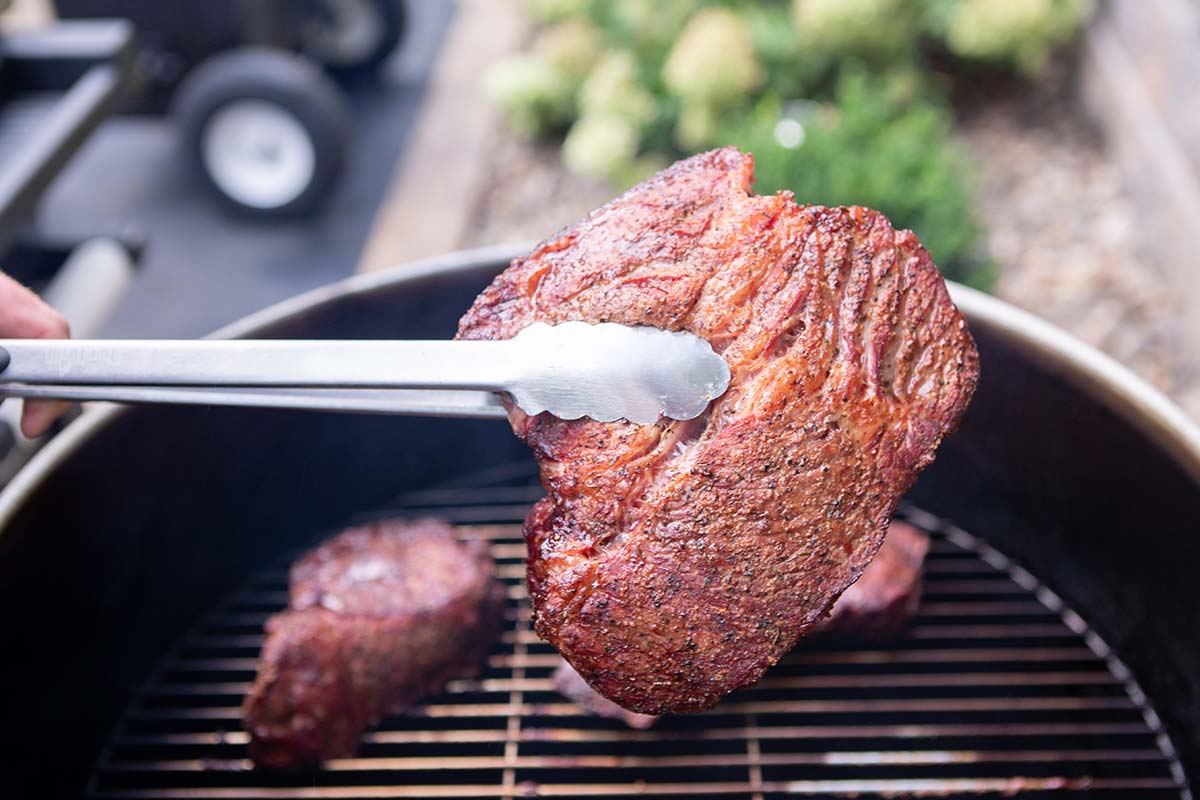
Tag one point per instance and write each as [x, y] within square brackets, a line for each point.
[534, 97]
[713, 62]
[880, 30]
[571, 48]
[1017, 34]
[835, 98]
[613, 90]
[873, 144]
[598, 146]
[545, 11]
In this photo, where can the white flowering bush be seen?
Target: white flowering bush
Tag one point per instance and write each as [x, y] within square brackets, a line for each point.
[1023, 34]
[631, 84]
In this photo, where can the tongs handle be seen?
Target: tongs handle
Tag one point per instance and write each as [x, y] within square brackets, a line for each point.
[484, 365]
[308, 375]
[413, 402]
[575, 369]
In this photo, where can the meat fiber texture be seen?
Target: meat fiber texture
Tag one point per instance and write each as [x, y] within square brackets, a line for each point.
[379, 616]
[878, 607]
[675, 562]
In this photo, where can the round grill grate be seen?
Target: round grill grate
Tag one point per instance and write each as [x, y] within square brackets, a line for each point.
[997, 690]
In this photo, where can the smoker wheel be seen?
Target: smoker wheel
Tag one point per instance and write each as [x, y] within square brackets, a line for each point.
[264, 130]
[348, 35]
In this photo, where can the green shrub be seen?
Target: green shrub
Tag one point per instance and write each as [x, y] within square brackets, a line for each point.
[870, 147]
[571, 48]
[600, 147]
[612, 89]
[712, 63]
[648, 28]
[1021, 34]
[792, 69]
[535, 98]
[634, 84]
[555, 10]
[879, 30]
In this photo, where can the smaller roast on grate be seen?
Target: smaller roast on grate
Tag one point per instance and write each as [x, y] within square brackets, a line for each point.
[378, 617]
[879, 607]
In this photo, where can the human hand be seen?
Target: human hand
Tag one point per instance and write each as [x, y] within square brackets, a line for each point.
[23, 315]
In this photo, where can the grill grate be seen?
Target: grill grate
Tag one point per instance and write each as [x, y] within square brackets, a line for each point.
[998, 689]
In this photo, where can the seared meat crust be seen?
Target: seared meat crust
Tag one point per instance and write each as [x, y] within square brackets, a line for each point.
[673, 563]
[878, 607]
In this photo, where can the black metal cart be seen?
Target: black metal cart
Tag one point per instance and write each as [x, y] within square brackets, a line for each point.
[264, 125]
[56, 86]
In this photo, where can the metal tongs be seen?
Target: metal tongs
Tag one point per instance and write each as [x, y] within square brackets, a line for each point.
[575, 369]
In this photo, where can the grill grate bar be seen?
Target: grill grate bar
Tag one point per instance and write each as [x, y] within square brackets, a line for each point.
[850, 758]
[590, 735]
[994, 691]
[993, 631]
[512, 730]
[990, 655]
[520, 684]
[914, 655]
[232, 713]
[841, 758]
[1008, 787]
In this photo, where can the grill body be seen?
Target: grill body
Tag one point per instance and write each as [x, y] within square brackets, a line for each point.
[996, 689]
[134, 523]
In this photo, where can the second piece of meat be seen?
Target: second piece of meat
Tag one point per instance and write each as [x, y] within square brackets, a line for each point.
[882, 603]
[379, 617]
[572, 686]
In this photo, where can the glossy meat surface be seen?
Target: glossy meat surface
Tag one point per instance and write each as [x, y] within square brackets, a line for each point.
[379, 616]
[673, 563]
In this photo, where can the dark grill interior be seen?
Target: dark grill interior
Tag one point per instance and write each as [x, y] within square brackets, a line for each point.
[999, 689]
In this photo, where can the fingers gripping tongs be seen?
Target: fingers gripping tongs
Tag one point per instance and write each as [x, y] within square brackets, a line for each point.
[605, 371]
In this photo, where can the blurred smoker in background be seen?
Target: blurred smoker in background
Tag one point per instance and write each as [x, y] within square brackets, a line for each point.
[253, 85]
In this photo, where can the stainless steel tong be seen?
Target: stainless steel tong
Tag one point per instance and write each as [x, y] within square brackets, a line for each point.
[605, 372]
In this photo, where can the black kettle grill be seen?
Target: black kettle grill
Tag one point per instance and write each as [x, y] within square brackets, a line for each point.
[1057, 651]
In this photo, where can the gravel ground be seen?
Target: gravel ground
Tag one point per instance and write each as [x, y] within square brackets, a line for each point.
[527, 195]
[1060, 228]
[1066, 238]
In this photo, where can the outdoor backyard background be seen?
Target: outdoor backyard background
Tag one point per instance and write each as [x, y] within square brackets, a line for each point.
[1047, 151]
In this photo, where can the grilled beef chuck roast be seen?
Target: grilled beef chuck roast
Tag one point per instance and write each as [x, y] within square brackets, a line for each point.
[673, 563]
[379, 616]
[878, 607]
[881, 604]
